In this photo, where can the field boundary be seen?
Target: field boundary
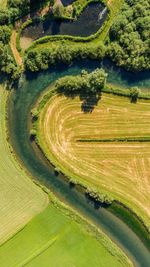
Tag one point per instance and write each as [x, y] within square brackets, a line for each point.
[94, 195]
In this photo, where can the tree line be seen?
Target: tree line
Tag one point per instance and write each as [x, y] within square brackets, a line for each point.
[87, 83]
[7, 61]
[43, 57]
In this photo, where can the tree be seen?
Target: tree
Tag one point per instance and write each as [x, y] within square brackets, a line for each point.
[5, 34]
[58, 10]
[97, 80]
[134, 93]
[4, 17]
[87, 83]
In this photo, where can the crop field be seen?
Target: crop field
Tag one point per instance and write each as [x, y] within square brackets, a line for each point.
[53, 239]
[20, 198]
[107, 150]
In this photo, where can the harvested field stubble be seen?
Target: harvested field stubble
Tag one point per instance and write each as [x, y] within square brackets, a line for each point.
[120, 168]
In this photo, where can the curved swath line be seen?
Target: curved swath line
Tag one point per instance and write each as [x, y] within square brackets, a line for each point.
[116, 167]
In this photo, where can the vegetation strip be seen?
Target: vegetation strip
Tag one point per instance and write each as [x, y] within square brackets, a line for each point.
[132, 220]
[118, 139]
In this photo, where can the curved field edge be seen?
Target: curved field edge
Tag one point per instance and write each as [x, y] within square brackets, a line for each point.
[61, 237]
[99, 188]
[20, 198]
[135, 218]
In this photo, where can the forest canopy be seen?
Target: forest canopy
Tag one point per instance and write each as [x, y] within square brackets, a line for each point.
[130, 36]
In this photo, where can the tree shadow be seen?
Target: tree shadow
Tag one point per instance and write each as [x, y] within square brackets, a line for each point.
[96, 203]
[89, 100]
[67, 2]
[133, 100]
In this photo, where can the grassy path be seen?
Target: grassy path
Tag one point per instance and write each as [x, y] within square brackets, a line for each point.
[122, 169]
[15, 52]
[20, 198]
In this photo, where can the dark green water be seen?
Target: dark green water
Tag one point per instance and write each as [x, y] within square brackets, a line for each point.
[21, 102]
[89, 22]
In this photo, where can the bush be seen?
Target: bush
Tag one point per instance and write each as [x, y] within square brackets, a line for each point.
[33, 134]
[5, 33]
[134, 93]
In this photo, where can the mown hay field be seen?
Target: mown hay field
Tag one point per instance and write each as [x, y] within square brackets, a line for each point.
[113, 166]
[20, 198]
[54, 239]
[3, 3]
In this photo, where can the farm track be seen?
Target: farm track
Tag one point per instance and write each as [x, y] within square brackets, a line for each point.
[20, 198]
[120, 168]
[15, 52]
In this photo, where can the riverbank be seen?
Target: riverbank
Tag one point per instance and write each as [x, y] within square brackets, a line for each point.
[120, 210]
[20, 105]
[44, 239]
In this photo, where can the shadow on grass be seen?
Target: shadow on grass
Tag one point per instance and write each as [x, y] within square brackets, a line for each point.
[89, 100]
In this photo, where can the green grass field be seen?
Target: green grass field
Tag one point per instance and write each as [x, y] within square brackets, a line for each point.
[110, 161]
[54, 239]
[20, 198]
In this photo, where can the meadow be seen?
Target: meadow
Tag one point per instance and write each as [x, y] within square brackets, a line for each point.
[55, 239]
[107, 150]
[20, 198]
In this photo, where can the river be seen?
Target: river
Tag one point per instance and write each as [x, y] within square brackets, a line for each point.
[20, 104]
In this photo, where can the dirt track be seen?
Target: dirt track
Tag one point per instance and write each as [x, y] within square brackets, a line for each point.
[15, 52]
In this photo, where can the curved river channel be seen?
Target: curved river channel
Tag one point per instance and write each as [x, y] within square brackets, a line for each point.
[20, 104]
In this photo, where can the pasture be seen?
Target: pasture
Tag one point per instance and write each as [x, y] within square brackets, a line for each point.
[20, 198]
[54, 239]
[107, 150]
